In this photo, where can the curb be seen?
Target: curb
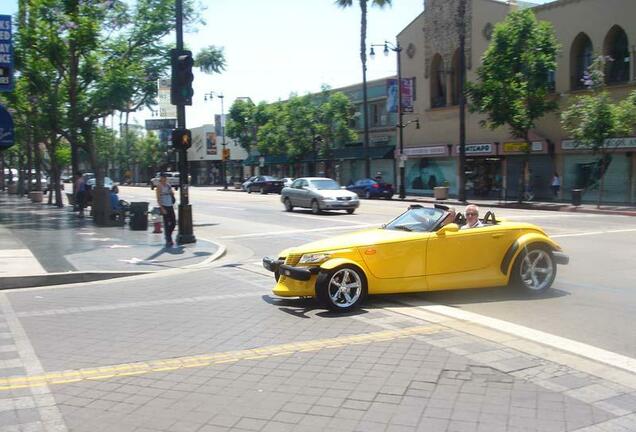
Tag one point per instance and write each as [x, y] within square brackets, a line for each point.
[11, 282]
[75, 277]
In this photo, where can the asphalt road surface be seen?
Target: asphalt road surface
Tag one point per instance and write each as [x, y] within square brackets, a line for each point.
[593, 299]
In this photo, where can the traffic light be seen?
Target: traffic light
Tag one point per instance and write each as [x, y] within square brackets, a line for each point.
[181, 139]
[226, 154]
[181, 87]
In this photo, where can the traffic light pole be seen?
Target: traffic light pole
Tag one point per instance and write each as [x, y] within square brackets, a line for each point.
[186, 234]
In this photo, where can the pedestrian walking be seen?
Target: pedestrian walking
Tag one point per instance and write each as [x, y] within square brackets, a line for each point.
[556, 184]
[80, 193]
[166, 200]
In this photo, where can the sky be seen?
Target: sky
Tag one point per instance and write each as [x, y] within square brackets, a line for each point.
[279, 47]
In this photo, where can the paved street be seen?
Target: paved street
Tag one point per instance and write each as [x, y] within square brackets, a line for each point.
[593, 300]
[209, 349]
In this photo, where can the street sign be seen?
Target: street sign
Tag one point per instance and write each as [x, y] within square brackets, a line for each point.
[6, 54]
[159, 124]
[6, 129]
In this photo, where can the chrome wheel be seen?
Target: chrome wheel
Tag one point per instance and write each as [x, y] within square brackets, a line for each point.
[537, 269]
[315, 208]
[345, 288]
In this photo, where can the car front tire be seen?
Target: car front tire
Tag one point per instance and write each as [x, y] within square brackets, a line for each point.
[288, 205]
[367, 195]
[315, 208]
[534, 269]
[341, 289]
[350, 211]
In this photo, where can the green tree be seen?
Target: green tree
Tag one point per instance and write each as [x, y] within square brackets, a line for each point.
[593, 119]
[241, 123]
[210, 60]
[513, 87]
[363, 60]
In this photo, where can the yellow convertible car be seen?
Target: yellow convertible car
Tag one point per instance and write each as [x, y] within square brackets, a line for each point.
[417, 251]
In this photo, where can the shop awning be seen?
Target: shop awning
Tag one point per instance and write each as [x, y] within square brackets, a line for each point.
[382, 152]
[269, 160]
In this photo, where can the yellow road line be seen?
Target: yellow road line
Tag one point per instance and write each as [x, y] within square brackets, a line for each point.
[204, 360]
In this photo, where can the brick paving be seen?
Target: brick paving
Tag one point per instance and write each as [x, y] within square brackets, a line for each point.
[448, 380]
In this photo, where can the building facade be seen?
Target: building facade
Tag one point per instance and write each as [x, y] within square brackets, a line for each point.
[584, 29]
[205, 157]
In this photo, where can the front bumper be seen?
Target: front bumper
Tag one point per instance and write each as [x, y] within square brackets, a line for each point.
[560, 258]
[339, 205]
[297, 273]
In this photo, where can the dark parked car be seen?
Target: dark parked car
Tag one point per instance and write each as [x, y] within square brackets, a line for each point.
[247, 182]
[370, 188]
[265, 184]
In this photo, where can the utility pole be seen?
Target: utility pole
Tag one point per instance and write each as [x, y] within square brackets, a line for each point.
[461, 30]
[186, 234]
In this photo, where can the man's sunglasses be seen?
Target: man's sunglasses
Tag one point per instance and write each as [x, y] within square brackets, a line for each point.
[471, 214]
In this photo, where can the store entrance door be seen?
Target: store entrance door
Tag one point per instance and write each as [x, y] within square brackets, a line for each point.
[483, 177]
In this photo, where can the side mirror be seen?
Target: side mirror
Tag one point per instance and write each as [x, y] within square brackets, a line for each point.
[452, 227]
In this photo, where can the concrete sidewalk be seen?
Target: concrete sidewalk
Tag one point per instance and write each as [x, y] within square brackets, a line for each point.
[44, 245]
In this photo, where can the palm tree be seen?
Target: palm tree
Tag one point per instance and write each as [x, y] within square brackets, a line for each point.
[363, 59]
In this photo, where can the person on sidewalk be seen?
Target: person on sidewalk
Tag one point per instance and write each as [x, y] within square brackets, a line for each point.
[80, 193]
[472, 217]
[166, 200]
[556, 184]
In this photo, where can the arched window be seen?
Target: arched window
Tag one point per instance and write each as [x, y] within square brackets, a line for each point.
[617, 48]
[581, 55]
[438, 86]
[455, 79]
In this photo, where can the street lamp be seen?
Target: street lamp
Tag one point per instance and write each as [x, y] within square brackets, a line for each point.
[400, 125]
[220, 96]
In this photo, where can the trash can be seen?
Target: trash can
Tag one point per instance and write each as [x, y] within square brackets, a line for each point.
[576, 197]
[138, 216]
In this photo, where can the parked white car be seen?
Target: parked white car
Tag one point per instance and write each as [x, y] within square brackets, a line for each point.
[172, 178]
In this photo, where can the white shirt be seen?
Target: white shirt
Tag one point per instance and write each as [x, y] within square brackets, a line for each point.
[476, 225]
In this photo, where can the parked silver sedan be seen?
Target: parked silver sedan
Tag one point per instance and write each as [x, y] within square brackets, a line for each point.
[318, 194]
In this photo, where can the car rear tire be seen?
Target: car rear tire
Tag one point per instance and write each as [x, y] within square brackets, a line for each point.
[341, 289]
[152, 187]
[249, 189]
[288, 205]
[534, 269]
[367, 195]
[350, 211]
[263, 190]
[315, 208]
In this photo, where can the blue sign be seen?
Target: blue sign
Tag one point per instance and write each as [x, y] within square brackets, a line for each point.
[6, 54]
[6, 129]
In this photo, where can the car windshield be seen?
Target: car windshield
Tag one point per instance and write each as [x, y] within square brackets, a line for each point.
[326, 184]
[420, 219]
[269, 178]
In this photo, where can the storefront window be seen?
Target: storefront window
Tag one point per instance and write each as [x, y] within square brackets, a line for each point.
[483, 176]
[422, 175]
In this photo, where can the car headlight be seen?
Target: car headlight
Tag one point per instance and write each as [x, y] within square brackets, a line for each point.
[315, 258]
[327, 199]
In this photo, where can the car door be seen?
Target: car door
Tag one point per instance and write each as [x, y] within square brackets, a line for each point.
[304, 194]
[469, 258]
[292, 192]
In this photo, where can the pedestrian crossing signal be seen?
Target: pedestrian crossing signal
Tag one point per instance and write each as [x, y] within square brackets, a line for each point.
[181, 139]
[226, 154]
